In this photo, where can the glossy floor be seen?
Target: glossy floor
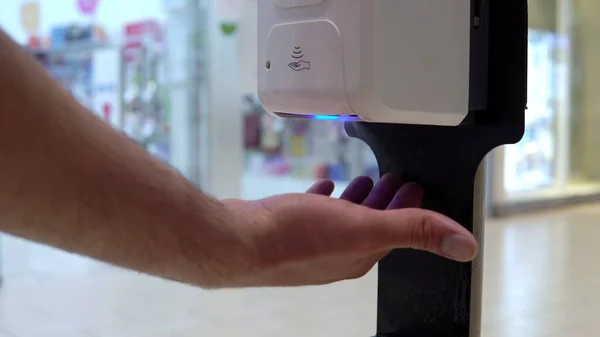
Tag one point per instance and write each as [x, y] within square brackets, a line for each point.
[542, 279]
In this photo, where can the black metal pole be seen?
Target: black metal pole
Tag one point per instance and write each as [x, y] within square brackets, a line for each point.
[419, 294]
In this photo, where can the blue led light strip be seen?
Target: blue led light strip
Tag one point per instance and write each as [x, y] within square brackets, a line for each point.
[341, 118]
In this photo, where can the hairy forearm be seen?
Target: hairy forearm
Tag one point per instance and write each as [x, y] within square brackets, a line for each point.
[69, 180]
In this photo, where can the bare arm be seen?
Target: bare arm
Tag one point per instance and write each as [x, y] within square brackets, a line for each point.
[69, 180]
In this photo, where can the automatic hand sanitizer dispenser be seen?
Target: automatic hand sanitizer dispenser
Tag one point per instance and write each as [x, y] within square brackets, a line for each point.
[389, 61]
[431, 86]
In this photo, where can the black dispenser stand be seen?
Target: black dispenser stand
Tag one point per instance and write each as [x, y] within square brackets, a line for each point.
[419, 294]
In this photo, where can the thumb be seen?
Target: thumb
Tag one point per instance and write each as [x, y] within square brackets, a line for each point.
[423, 230]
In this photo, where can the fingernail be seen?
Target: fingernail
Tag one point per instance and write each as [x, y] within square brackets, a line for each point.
[458, 247]
[414, 190]
[392, 177]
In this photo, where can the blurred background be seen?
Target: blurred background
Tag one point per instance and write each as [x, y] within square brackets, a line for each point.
[179, 77]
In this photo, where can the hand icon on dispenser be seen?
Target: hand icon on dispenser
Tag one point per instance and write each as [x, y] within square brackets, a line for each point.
[299, 66]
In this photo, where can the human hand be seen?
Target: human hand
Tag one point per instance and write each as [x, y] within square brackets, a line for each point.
[313, 239]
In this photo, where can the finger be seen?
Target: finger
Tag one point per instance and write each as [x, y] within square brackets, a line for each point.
[358, 190]
[410, 195]
[383, 192]
[422, 230]
[322, 187]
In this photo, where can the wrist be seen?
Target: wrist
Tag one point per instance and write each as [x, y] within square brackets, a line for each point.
[218, 244]
[236, 245]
